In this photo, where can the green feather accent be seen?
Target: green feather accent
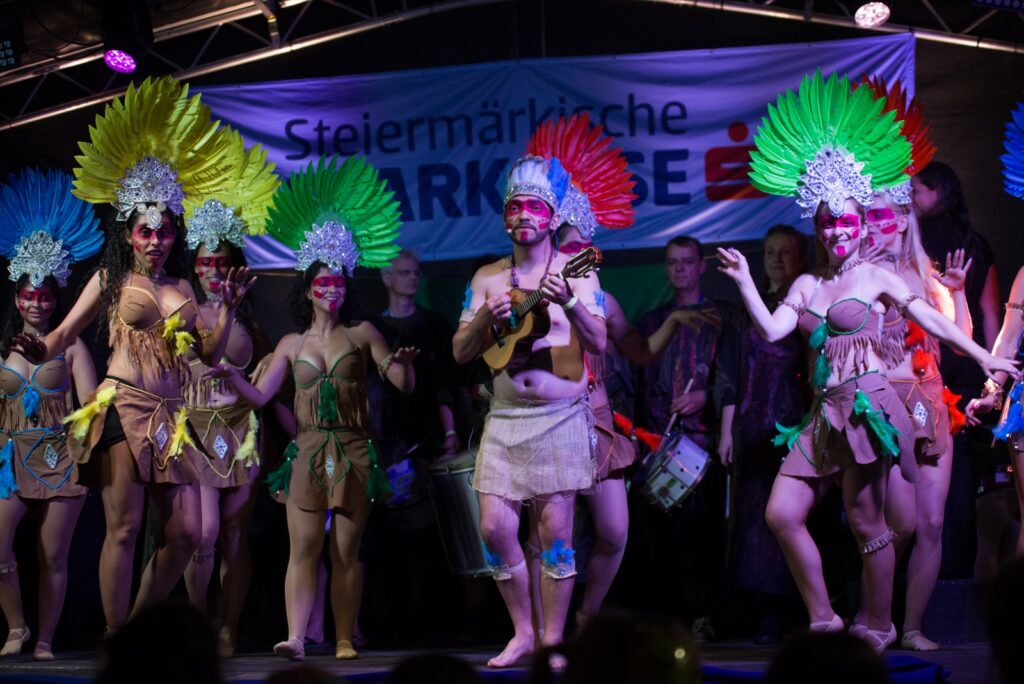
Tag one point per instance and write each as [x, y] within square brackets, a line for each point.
[352, 194]
[827, 113]
[822, 371]
[789, 435]
[377, 484]
[280, 479]
[818, 337]
[327, 409]
[882, 428]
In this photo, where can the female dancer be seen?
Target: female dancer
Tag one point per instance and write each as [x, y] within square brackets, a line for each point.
[226, 425]
[761, 384]
[36, 472]
[916, 510]
[349, 220]
[136, 423]
[1010, 341]
[857, 421]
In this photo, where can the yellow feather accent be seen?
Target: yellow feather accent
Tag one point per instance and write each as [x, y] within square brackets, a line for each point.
[246, 452]
[156, 119]
[183, 342]
[180, 437]
[81, 419]
[172, 324]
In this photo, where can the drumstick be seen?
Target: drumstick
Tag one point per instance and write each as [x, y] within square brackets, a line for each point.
[672, 420]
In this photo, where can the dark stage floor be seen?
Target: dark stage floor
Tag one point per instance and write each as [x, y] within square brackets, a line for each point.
[728, 662]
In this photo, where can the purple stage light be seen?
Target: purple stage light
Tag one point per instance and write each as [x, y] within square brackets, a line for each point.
[119, 61]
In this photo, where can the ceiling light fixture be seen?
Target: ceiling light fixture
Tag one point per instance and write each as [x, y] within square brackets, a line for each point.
[127, 34]
[872, 14]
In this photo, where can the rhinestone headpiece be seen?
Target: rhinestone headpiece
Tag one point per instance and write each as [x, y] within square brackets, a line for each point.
[149, 182]
[575, 210]
[900, 194]
[332, 245]
[212, 224]
[832, 177]
[39, 255]
[529, 176]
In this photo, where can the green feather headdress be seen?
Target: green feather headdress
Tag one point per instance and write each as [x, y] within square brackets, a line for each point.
[338, 215]
[827, 143]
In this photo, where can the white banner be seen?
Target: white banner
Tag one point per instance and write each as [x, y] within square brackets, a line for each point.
[444, 137]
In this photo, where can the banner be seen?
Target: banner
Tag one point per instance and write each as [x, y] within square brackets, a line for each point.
[445, 137]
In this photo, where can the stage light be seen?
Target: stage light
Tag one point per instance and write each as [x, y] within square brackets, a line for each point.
[10, 41]
[1011, 5]
[127, 33]
[872, 14]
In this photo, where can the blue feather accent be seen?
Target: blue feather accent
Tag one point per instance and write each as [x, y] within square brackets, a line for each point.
[7, 484]
[1013, 160]
[1013, 423]
[467, 299]
[35, 200]
[492, 559]
[558, 553]
[30, 402]
[559, 179]
[599, 299]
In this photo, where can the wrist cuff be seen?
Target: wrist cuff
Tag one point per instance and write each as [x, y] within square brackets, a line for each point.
[571, 303]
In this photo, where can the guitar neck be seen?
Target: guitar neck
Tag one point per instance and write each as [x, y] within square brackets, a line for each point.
[533, 299]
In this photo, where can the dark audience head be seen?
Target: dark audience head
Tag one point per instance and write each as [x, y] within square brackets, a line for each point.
[827, 658]
[1005, 629]
[168, 643]
[619, 648]
[938, 193]
[433, 668]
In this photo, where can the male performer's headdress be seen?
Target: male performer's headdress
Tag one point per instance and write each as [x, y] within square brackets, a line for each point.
[240, 205]
[43, 228]
[340, 216]
[826, 143]
[914, 129]
[156, 146]
[598, 187]
[1013, 160]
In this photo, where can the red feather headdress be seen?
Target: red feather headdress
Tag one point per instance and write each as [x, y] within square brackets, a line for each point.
[915, 129]
[601, 183]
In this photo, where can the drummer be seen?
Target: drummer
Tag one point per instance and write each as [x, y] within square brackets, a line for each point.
[536, 445]
[691, 543]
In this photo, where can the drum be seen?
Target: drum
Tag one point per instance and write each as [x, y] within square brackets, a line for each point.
[673, 472]
[408, 506]
[458, 514]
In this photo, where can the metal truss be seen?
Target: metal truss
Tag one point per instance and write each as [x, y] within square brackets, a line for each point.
[200, 45]
[941, 31]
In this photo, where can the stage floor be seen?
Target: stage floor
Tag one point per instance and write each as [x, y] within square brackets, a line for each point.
[967, 664]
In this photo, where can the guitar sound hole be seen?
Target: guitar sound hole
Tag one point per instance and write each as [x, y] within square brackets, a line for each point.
[527, 383]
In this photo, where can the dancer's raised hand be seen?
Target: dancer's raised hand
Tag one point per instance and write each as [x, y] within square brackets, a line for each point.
[734, 264]
[955, 275]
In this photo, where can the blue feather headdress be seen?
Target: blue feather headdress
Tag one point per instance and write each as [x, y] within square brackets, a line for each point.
[43, 227]
[1013, 160]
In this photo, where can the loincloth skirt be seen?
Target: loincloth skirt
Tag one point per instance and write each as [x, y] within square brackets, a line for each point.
[928, 412]
[227, 459]
[529, 449]
[43, 469]
[614, 452]
[331, 470]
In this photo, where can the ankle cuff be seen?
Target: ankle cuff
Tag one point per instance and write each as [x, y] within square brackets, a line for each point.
[879, 542]
[9, 568]
[200, 558]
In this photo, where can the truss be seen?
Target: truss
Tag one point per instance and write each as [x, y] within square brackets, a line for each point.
[189, 48]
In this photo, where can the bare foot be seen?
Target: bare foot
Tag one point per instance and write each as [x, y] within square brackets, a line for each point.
[43, 652]
[517, 648]
[291, 649]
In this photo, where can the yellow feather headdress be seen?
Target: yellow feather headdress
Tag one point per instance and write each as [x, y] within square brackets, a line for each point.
[155, 146]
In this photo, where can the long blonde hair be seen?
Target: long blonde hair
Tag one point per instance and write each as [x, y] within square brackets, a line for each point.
[912, 253]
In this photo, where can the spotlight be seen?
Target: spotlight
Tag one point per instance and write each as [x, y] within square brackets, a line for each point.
[10, 41]
[872, 14]
[127, 33]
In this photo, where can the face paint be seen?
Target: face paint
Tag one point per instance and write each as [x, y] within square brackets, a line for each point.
[573, 247]
[330, 289]
[883, 220]
[212, 270]
[523, 213]
[36, 305]
[152, 247]
[837, 231]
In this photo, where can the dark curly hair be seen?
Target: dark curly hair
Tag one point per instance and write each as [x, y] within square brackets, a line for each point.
[244, 312]
[13, 323]
[301, 309]
[117, 261]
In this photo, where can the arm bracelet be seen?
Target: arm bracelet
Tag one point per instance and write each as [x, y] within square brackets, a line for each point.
[993, 388]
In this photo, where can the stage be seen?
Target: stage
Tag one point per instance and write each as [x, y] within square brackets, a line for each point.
[723, 663]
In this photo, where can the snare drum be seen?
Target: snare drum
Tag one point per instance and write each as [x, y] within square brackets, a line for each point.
[673, 471]
[458, 514]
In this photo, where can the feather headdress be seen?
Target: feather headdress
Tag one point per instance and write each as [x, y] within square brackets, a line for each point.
[43, 227]
[338, 215]
[827, 143]
[1013, 160]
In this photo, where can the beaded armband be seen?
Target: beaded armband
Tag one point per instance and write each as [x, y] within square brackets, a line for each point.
[993, 388]
[902, 304]
[385, 364]
[1015, 306]
[795, 306]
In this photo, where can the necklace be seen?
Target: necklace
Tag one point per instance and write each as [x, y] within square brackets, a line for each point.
[158, 277]
[515, 275]
[847, 265]
[890, 258]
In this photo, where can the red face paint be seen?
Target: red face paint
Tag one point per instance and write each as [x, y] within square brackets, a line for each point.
[883, 220]
[330, 289]
[212, 270]
[841, 250]
[525, 211]
[153, 245]
[829, 222]
[573, 247]
[36, 304]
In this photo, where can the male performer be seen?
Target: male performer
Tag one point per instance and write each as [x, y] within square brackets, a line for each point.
[537, 442]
